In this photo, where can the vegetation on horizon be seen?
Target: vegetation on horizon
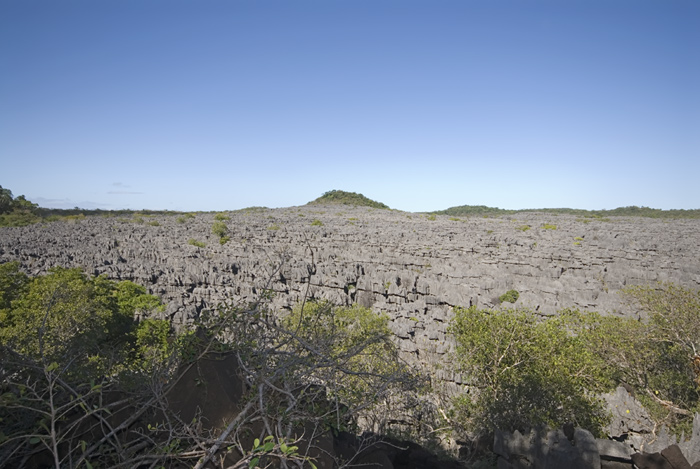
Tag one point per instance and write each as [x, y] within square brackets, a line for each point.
[631, 211]
[16, 211]
[347, 198]
[21, 212]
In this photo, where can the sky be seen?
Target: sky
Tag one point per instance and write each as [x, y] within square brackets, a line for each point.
[421, 105]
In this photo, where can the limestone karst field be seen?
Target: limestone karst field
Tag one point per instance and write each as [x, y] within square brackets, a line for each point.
[413, 266]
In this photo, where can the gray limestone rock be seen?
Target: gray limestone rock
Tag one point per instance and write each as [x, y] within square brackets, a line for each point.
[403, 263]
[628, 415]
[613, 450]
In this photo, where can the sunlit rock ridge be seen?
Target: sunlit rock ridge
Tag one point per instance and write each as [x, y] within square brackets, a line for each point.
[414, 267]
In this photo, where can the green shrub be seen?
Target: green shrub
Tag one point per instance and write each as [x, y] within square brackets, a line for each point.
[221, 217]
[67, 342]
[183, 218]
[273, 227]
[316, 222]
[18, 219]
[194, 242]
[355, 336]
[154, 223]
[65, 313]
[511, 296]
[220, 229]
[662, 359]
[526, 372]
[524, 228]
[432, 217]
[547, 226]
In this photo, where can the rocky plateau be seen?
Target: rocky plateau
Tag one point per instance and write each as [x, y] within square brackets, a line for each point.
[412, 266]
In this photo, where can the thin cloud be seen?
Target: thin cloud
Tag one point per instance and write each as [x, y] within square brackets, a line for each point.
[123, 192]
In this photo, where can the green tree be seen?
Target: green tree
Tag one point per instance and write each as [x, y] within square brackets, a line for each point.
[355, 338]
[13, 283]
[524, 371]
[5, 200]
[220, 229]
[662, 359]
[68, 314]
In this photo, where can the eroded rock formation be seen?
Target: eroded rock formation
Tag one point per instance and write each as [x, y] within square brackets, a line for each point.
[410, 266]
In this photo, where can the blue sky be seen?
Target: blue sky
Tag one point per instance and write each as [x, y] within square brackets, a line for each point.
[422, 105]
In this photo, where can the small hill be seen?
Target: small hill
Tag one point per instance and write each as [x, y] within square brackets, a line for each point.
[346, 198]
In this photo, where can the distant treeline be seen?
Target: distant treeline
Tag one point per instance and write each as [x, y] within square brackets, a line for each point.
[631, 211]
[62, 212]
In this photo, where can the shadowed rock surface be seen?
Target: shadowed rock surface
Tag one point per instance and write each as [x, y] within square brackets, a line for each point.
[413, 268]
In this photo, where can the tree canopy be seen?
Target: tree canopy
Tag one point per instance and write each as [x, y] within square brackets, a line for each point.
[347, 198]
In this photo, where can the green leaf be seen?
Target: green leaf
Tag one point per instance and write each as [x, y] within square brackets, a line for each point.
[269, 446]
[253, 463]
[256, 443]
[34, 440]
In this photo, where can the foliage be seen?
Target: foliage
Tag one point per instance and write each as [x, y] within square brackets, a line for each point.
[68, 313]
[220, 229]
[524, 372]
[183, 218]
[251, 210]
[194, 242]
[600, 215]
[347, 198]
[316, 222]
[355, 337]
[662, 360]
[511, 296]
[548, 226]
[16, 211]
[221, 217]
[66, 339]
[524, 228]
[5, 200]
[322, 368]
[473, 210]
[13, 284]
